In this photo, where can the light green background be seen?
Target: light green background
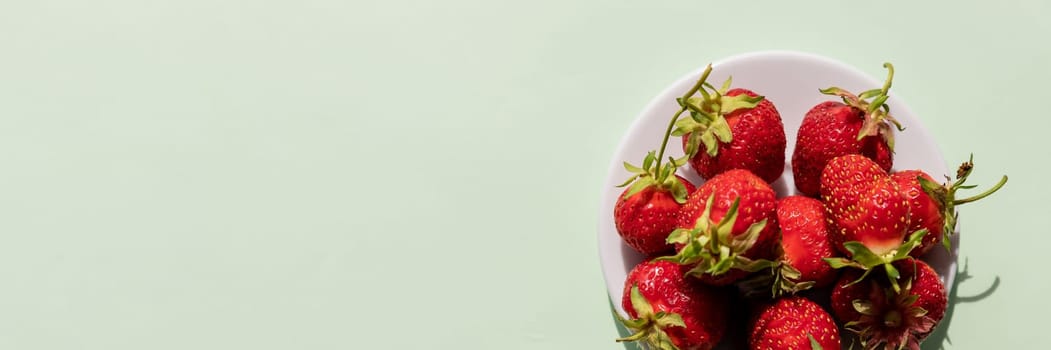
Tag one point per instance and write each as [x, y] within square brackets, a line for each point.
[421, 175]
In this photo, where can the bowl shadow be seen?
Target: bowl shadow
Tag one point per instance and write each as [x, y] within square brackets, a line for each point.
[939, 338]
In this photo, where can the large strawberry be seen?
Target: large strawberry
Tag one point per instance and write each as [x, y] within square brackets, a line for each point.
[726, 226]
[832, 129]
[867, 213]
[881, 315]
[669, 311]
[793, 323]
[863, 204]
[933, 206]
[738, 128]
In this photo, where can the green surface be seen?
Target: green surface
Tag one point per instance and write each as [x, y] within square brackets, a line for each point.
[423, 175]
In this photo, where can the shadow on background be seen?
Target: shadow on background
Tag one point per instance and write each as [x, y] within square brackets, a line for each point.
[938, 340]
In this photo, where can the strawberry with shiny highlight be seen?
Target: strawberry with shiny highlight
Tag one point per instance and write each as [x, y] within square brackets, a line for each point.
[669, 311]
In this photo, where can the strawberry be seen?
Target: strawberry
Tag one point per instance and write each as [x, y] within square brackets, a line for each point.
[863, 204]
[647, 211]
[669, 311]
[801, 251]
[738, 128]
[880, 315]
[804, 244]
[832, 129]
[868, 215]
[933, 206]
[645, 215]
[924, 211]
[725, 227]
[793, 323]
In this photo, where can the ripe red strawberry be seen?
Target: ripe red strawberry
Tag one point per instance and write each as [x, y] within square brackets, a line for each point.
[933, 206]
[805, 244]
[734, 210]
[793, 323]
[863, 204]
[924, 212]
[738, 128]
[646, 218]
[647, 210]
[832, 129]
[668, 309]
[880, 315]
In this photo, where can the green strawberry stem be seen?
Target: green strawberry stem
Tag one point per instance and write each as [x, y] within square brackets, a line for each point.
[890, 76]
[988, 192]
[652, 172]
[864, 259]
[944, 196]
[671, 124]
[706, 125]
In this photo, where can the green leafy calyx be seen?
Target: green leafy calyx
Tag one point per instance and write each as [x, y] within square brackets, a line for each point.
[782, 279]
[706, 125]
[712, 248]
[652, 174]
[864, 259]
[878, 120]
[649, 327]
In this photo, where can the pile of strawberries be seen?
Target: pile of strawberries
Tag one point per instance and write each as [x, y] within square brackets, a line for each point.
[850, 244]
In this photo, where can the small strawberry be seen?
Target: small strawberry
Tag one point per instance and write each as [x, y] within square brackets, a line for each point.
[832, 129]
[738, 128]
[933, 206]
[804, 245]
[649, 210]
[801, 251]
[793, 323]
[880, 315]
[725, 227]
[669, 311]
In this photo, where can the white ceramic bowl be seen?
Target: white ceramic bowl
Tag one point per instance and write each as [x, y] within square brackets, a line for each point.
[791, 81]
